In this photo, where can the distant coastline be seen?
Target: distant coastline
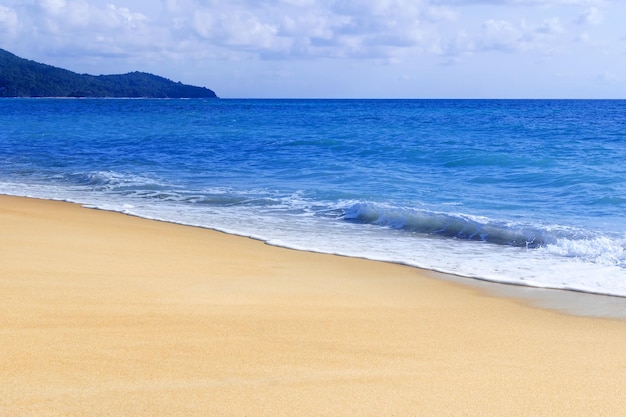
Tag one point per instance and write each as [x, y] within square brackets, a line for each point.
[20, 77]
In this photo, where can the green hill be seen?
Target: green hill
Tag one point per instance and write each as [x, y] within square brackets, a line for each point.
[24, 78]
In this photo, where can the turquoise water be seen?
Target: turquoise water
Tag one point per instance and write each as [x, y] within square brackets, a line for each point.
[531, 192]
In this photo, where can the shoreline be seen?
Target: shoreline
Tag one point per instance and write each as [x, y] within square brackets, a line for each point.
[567, 301]
[110, 314]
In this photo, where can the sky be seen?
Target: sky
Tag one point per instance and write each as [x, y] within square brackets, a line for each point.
[334, 48]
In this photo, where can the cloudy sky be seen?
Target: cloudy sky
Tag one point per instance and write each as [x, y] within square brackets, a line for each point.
[336, 48]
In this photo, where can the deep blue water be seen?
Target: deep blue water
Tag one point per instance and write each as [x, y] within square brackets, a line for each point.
[523, 191]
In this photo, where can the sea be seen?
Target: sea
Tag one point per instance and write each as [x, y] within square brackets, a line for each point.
[526, 192]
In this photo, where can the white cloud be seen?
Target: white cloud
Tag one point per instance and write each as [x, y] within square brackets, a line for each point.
[608, 77]
[500, 35]
[234, 28]
[283, 29]
[591, 16]
[53, 6]
[199, 37]
[78, 27]
[551, 26]
[583, 38]
[524, 2]
[8, 21]
[307, 28]
[69, 15]
[506, 36]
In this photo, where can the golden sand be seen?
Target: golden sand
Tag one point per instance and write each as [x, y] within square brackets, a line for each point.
[104, 314]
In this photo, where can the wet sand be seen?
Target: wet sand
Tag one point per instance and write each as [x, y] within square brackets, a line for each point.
[104, 314]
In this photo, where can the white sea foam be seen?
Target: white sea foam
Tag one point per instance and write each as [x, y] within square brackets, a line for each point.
[595, 266]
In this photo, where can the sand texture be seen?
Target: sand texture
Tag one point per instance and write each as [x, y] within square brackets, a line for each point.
[104, 314]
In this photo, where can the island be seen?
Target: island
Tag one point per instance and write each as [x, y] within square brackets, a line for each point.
[21, 77]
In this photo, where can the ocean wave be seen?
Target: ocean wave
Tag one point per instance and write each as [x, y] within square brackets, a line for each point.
[456, 226]
[111, 180]
[555, 240]
[148, 188]
[602, 250]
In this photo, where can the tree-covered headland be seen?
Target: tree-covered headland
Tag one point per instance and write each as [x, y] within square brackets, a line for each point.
[24, 78]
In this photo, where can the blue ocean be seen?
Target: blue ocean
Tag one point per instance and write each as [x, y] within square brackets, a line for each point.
[529, 192]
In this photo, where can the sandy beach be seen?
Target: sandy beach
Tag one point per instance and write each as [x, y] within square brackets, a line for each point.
[104, 314]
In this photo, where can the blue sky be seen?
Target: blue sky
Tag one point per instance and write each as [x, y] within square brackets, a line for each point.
[336, 49]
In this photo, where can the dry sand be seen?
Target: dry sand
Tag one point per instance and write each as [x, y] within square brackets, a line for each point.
[104, 314]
